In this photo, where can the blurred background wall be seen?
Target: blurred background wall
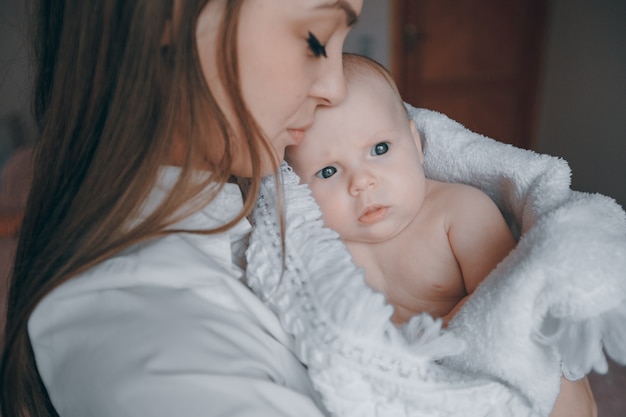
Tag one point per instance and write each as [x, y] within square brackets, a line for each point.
[583, 106]
[16, 124]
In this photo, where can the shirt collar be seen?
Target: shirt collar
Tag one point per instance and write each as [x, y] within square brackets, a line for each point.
[226, 205]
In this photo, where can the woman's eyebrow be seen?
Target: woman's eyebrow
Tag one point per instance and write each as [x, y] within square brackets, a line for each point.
[351, 15]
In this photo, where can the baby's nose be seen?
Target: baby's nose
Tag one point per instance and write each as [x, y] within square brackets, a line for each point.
[361, 181]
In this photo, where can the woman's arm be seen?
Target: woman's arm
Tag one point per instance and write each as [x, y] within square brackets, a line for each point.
[155, 351]
[575, 400]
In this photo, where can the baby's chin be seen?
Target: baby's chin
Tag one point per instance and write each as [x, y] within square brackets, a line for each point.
[381, 236]
[365, 241]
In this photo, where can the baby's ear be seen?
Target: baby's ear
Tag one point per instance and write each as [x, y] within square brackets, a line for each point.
[416, 138]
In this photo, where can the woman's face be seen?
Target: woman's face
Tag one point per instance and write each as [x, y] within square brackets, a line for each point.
[290, 63]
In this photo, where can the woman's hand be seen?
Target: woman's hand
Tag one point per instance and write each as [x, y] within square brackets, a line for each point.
[575, 400]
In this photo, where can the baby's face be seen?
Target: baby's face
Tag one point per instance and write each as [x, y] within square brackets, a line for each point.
[363, 162]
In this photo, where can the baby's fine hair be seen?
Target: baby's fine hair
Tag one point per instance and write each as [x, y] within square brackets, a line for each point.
[359, 66]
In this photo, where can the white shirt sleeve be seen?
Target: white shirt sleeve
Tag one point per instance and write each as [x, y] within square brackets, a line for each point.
[157, 351]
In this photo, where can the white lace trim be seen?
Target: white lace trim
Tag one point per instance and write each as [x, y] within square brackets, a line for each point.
[358, 360]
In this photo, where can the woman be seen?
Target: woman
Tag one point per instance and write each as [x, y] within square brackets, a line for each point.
[127, 296]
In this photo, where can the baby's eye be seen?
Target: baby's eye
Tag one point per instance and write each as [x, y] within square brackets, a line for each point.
[316, 46]
[380, 149]
[326, 172]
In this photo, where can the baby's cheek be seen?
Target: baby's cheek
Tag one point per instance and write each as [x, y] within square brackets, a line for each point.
[334, 214]
[326, 203]
[330, 220]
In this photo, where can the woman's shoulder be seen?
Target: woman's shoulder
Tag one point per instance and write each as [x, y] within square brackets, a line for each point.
[178, 260]
[165, 307]
[181, 263]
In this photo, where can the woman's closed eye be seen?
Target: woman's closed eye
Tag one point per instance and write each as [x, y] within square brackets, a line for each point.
[380, 149]
[326, 172]
[316, 46]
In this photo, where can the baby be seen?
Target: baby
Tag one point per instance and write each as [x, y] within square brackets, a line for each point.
[425, 244]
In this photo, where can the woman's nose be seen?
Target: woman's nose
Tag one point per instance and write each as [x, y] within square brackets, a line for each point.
[361, 181]
[330, 87]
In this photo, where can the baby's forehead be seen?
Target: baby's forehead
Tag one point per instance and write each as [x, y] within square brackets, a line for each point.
[314, 152]
[378, 93]
[311, 151]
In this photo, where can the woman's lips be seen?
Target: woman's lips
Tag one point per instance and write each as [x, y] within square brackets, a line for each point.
[297, 135]
[373, 214]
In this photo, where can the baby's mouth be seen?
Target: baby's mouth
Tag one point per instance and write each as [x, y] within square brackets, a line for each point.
[373, 214]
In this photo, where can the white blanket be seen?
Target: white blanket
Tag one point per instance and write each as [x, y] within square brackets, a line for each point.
[557, 300]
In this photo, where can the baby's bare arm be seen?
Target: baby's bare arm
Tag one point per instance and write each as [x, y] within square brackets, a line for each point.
[478, 234]
[480, 239]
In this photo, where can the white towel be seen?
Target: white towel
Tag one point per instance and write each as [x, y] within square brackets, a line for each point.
[561, 294]
[561, 288]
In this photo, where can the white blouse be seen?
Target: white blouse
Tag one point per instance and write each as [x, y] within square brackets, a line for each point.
[167, 328]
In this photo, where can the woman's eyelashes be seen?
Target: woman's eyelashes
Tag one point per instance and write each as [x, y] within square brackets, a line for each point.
[380, 149]
[316, 46]
[326, 172]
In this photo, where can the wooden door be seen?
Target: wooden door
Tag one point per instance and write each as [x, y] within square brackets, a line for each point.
[478, 61]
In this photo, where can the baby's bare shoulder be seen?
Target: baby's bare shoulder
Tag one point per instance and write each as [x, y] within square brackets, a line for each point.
[453, 194]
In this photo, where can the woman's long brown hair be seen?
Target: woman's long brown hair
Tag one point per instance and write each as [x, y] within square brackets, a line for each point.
[108, 100]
